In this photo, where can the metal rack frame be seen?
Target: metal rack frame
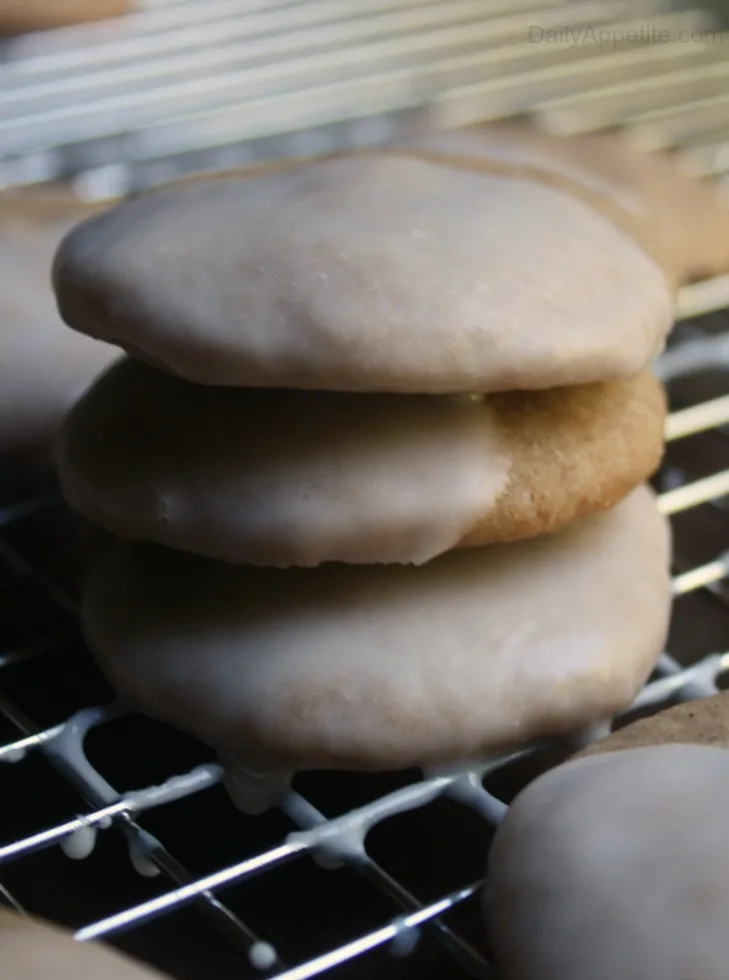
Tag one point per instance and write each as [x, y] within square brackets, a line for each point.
[182, 85]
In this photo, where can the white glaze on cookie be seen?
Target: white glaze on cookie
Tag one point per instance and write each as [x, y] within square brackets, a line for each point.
[388, 666]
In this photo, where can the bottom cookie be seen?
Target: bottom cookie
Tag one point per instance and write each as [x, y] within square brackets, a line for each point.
[383, 667]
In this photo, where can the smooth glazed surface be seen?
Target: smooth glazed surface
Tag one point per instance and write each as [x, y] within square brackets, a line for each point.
[615, 866]
[377, 667]
[367, 273]
[299, 478]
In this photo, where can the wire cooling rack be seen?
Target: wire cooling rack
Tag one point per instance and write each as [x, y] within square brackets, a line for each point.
[47, 648]
[124, 830]
[180, 85]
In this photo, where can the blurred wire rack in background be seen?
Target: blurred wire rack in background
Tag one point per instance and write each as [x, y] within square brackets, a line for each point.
[298, 880]
[188, 84]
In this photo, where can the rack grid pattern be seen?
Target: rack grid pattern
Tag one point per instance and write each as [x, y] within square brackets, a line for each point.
[181, 85]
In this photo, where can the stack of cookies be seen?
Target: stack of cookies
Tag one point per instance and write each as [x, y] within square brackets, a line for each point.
[374, 464]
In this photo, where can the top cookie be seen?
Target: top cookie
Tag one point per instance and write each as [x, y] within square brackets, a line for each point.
[373, 273]
[683, 222]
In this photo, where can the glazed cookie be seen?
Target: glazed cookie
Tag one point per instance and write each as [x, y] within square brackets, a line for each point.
[682, 221]
[703, 722]
[278, 478]
[615, 866]
[382, 667]
[44, 367]
[367, 273]
[33, 950]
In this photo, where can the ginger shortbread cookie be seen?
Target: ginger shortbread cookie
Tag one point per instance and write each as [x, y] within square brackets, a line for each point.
[388, 666]
[701, 722]
[615, 866]
[367, 273]
[276, 478]
[44, 367]
[34, 950]
[680, 220]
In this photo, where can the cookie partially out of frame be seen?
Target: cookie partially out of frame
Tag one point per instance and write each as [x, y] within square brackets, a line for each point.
[701, 722]
[44, 367]
[388, 666]
[367, 273]
[278, 478]
[615, 866]
[34, 950]
[23, 16]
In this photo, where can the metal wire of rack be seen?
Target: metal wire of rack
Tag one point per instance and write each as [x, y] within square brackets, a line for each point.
[132, 119]
[186, 84]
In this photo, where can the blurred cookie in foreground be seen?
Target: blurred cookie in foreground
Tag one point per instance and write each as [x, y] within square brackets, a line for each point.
[385, 667]
[278, 478]
[615, 866]
[44, 367]
[25, 16]
[370, 273]
[35, 950]
[702, 722]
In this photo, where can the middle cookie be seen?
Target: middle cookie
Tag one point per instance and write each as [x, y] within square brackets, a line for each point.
[279, 478]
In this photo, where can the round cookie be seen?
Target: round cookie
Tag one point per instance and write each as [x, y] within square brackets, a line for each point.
[278, 478]
[702, 722]
[682, 221]
[367, 273]
[21, 16]
[615, 866]
[34, 950]
[44, 367]
[382, 667]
